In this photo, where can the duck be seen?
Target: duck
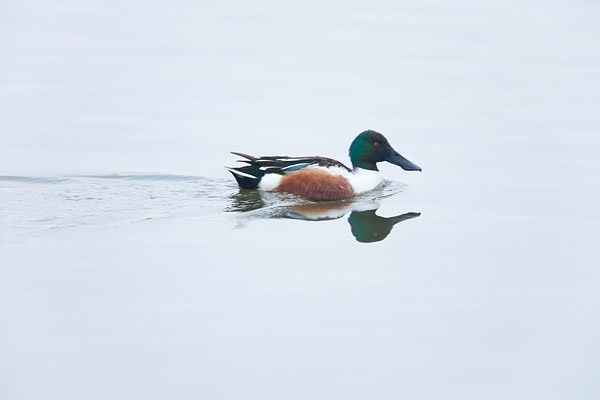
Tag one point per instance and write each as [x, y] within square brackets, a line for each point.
[319, 178]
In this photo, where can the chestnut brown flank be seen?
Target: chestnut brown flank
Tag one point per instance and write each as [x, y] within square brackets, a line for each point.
[316, 185]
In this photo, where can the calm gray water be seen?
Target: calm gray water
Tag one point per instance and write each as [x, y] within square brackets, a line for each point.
[133, 268]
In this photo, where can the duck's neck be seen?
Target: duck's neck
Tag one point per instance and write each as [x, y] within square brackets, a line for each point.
[363, 164]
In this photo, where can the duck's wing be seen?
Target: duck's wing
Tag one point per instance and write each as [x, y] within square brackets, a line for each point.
[249, 176]
[283, 164]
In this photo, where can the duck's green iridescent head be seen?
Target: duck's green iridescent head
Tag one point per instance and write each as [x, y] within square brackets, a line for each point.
[371, 147]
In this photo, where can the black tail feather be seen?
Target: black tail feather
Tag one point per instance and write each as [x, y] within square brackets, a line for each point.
[249, 157]
[247, 177]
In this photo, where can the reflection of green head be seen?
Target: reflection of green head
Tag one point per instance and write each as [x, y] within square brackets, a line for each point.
[369, 227]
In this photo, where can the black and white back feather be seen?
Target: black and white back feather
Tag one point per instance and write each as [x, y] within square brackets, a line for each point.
[249, 175]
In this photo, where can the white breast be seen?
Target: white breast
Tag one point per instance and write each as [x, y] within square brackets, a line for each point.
[363, 180]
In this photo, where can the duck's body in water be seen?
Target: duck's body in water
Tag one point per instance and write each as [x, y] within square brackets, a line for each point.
[319, 178]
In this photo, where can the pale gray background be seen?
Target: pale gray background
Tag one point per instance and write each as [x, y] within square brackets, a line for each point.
[143, 287]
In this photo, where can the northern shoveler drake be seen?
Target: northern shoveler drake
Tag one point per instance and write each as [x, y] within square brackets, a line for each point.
[319, 178]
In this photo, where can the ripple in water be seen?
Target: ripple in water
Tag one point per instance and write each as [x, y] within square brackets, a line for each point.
[33, 205]
[36, 204]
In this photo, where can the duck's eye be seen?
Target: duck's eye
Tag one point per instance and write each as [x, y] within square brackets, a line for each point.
[375, 234]
[375, 144]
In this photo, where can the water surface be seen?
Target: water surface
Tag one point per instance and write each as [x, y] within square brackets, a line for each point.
[132, 266]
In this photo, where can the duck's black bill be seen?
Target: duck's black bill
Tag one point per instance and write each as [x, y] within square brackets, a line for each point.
[400, 161]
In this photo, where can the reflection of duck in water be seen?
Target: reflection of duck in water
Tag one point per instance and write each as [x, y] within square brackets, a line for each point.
[365, 224]
[246, 200]
[369, 227]
[320, 178]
